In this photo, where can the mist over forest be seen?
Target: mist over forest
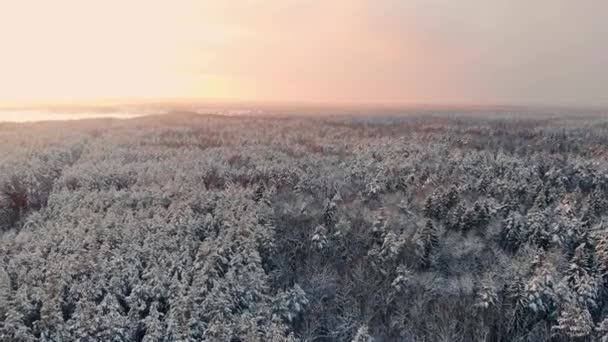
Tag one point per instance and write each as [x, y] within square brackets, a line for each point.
[438, 225]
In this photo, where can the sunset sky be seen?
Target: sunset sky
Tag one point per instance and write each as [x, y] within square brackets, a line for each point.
[343, 51]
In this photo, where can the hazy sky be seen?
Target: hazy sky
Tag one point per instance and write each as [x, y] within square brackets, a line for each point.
[364, 51]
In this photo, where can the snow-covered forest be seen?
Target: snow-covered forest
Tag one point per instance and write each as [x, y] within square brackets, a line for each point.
[347, 228]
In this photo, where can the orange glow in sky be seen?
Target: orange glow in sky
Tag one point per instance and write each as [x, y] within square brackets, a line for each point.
[346, 51]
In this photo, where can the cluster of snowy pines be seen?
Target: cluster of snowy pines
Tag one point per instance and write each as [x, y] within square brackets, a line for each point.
[209, 228]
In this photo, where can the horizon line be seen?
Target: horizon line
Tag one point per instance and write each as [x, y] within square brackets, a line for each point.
[112, 103]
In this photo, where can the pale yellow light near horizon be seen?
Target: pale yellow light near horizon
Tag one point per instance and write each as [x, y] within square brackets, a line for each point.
[74, 51]
[343, 51]
[70, 50]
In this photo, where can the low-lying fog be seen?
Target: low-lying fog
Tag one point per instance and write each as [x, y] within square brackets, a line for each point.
[42, 115]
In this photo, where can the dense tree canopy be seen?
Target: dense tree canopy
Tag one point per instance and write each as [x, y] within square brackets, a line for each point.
[210, 228]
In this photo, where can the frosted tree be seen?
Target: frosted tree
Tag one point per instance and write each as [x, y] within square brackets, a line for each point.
[483, 185]
[582, 278]
[260, 193]
[450, 199]
[570, 232]
[402, 279]
[362, 335]
[433, 207]
[574, 322]
[540, 201]
[374, 188]
[511, 235]
[290, 304]
[602, 330]
[5, 293]
[517, 302]
[486, 297]
[455, 220]
[601, 254]
[426, 241]
[180, 307]
[385, 255]
[155, 329]
[276, 332]
[537, 228]
[319, 237]
[330, 213]
[485, 305]
[597, 203]
[469, 220]
[52, 325]
[476, 219]
[482, 217]
[14, 329]
[379, 226]
[540, 290]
